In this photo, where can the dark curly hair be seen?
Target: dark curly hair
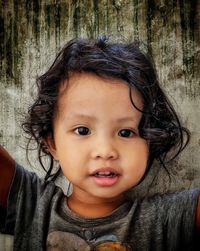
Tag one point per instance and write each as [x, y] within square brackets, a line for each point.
[159, 125]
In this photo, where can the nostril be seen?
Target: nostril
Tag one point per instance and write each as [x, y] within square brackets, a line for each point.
[104, 151]
[106, 156]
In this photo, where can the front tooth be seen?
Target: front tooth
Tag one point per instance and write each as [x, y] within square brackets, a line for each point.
[104, 173]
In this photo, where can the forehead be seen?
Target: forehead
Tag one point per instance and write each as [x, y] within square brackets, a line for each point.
[89, 91]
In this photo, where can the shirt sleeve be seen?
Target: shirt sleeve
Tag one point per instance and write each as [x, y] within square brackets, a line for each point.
[197, 220]
[26, 188]
[7, 171]
[178, 212]
[168, 220]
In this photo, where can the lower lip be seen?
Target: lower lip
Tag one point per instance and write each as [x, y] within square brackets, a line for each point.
[105, 181]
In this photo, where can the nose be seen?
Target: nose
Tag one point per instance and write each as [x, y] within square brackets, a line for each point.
[105, 148]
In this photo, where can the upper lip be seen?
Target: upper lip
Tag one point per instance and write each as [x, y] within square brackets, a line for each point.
[105, 170]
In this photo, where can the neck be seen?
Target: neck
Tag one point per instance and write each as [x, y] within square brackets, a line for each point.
[93, 209]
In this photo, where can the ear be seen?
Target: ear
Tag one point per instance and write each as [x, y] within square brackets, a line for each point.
[49, 141]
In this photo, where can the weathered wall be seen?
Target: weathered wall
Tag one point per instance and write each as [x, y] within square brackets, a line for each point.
[31, 32]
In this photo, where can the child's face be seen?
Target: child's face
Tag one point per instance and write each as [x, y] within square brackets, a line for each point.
[96, 138]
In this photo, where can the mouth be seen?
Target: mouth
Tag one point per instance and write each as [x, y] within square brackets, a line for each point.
[105, 173]
[105, 176]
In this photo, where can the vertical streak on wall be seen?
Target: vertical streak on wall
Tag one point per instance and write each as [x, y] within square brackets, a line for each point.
[188, 12]
[174, 53]
[96, 18]
[150, 15]
[10, 53]
[47, 11]
[16, 55]
[36, 25]
[135, 18]
[107, 18]
[2, 37]
[197, 42]
[9, 45]
[76, 18]
[57, 22]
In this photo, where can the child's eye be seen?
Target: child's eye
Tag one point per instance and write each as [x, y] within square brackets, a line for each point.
[126, 133]
[82, 130]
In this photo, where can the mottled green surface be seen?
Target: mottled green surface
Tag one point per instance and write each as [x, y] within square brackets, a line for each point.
[31, 32]
[170, 29]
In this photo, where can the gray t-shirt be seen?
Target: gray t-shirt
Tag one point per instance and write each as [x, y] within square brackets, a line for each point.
[39, 218]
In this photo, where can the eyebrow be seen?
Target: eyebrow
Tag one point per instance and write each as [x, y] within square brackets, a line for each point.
[80, 115]
[127, 119]
[88, 117]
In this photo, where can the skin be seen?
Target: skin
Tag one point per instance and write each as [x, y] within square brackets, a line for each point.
[96, 130]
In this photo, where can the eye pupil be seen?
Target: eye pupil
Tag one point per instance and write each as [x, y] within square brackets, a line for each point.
[82, 130]
[125, 133]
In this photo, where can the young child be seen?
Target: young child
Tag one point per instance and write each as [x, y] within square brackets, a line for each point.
[102, 118]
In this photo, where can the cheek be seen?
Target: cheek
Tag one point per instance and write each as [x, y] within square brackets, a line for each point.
[137, 154]
[136, 163]
[71, 162]
[69, 169]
